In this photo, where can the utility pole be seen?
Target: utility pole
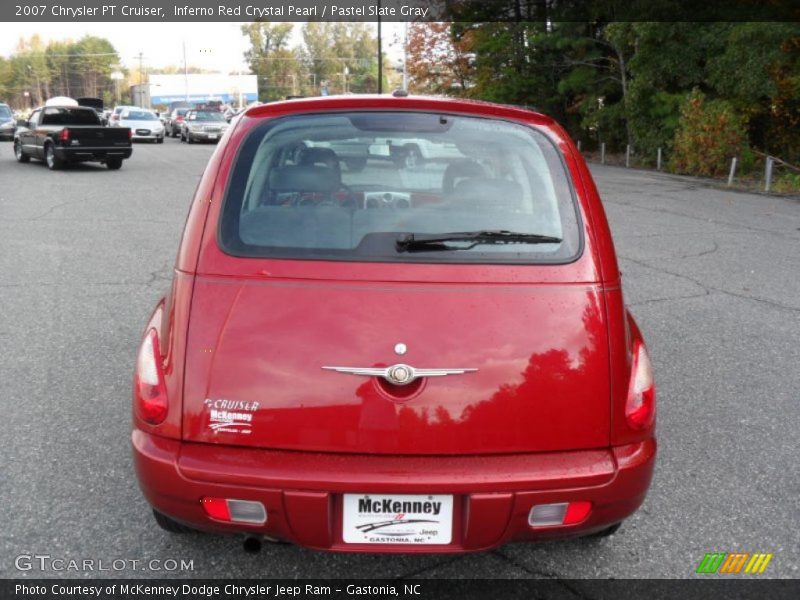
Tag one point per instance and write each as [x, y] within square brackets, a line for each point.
[380, 52]
[141, 80]
[405, 56]
[185, 74]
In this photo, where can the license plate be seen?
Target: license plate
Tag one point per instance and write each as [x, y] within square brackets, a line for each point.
[212, 136]
[397, 519]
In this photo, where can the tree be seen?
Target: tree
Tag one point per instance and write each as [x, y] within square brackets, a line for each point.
[437, 63]
[345, 55]
[270, 57]
[709, 134]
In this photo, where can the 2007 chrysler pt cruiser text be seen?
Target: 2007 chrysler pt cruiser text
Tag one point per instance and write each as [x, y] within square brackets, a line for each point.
[395, 325]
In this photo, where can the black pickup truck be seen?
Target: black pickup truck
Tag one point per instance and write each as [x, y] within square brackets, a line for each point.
[60, 135]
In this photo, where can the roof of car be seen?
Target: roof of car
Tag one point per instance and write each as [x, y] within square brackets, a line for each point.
[391, 102]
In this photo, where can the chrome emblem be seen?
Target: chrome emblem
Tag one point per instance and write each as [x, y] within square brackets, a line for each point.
[400, 348]
[399, 374]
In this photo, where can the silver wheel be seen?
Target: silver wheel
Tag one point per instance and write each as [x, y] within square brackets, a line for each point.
[19, 154]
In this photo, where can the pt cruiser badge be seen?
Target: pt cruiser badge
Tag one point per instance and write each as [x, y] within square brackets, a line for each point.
[399, 374]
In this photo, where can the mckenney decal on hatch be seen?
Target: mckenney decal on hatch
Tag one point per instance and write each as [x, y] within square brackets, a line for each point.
[230, 416]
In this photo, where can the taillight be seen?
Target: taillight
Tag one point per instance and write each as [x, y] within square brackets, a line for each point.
[64, 135]
[149, 386]
[640, 407]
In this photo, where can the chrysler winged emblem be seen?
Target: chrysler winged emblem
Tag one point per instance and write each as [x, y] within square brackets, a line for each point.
[398, 374]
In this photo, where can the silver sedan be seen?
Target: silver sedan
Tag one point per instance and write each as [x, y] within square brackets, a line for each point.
[144, 124]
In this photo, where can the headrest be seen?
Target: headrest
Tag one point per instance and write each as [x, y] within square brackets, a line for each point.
[460, 170]
[488, 192]
[317, 156]
[304, 178]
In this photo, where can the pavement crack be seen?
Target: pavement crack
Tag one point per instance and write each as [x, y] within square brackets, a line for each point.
[442, 563]
[708, 288]
[49, 211]
[711, 250]
[540, 574]
[678, 213]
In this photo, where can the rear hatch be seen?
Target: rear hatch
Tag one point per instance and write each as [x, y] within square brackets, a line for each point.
[515, 318]
[256, 352]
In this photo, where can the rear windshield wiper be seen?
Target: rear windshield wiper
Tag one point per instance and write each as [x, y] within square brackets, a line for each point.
[420, 242]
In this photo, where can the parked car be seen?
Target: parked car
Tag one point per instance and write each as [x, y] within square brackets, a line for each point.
[173, 122]
[114, 118]
[144, 125]
[7, 122]
[203, 126]
[394, 360]
[62, 135]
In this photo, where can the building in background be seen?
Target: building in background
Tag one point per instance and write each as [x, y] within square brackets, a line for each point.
[237, 90]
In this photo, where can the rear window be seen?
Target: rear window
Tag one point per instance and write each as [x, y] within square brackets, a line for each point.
[358, 186]
[70, 116]
[139, 115]
[207, 115]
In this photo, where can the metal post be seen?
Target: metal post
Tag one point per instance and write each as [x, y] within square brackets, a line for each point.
[768, 174]
[603, 153]
[658, 160]
[628, 155]
[579, 145]
[732, 174]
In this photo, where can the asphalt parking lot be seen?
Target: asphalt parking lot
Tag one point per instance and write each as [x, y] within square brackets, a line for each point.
[713, 278]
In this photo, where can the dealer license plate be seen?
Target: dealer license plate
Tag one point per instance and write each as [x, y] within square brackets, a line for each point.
[397, 519]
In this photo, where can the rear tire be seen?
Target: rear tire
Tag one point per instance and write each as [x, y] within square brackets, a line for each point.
[114, 163]
[171, 525]
[51, 160]
[19, 154]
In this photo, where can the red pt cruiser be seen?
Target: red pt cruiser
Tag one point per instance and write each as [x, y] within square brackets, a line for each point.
[395, 325]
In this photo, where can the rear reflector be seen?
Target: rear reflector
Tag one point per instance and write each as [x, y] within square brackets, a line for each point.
[562, 513]
[235, 511]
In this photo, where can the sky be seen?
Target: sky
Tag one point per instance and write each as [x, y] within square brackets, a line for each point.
[213, 46]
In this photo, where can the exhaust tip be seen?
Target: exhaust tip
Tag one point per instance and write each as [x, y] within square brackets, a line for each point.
[252, 544]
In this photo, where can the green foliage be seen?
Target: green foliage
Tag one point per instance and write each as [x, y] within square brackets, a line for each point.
[37, 71]
[787, 183]
[625, 83]
[709, 134]
[338, 57]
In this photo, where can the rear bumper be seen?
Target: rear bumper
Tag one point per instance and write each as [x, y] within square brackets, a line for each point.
[302, 491]
[153, 135]
[205, 136]
[82, 154]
